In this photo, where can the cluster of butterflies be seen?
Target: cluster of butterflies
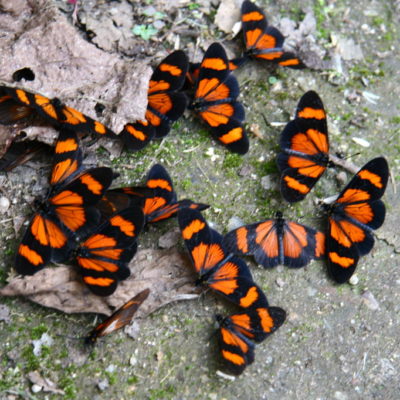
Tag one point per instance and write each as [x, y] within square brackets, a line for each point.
[82, 219]
[213, 88]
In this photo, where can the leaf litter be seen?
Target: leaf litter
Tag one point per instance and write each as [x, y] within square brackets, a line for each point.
[164, 272]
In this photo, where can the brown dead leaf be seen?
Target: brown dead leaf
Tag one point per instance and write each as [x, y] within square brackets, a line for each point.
[44, 384]
[36, 35]
[228, 14]
[165, 272]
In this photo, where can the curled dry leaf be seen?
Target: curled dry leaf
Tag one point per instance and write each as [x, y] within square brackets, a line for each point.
[38, 36]
[44, 384]
[164, 272]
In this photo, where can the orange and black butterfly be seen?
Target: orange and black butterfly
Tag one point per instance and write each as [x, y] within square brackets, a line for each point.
[218, 269]
[67, 210]
[353, 216]
[120, 318]
[165, 103]
[103, 257]
[157, 199]
[263, 42]
[215, 94]
[238, 333]
[17, 104]
[277, 241]
[305, 148]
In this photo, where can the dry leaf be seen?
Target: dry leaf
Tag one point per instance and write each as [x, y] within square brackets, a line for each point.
[37, 36]
[165, 272]
[44, 384]
[228, 14]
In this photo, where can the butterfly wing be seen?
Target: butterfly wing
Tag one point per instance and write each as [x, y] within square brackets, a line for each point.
[104, 256]
[353, 216]
[305, 148]
[215, 100]
[237, 351]
[11, 110]
[120, 318]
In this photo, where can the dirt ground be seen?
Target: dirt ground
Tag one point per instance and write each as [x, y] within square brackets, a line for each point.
[339, 342]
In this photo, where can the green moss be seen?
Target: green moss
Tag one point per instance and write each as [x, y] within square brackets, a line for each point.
[320, 12]
[166, 393]
[395, 120]
[132, 380]
[232, 160]
[31, 361]
[37, 332]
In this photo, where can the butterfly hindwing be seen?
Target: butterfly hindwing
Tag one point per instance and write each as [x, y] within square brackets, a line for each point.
[353, 216]
[305, 148]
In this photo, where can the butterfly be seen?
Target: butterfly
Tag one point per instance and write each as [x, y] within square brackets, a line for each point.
[277, 241]
[21, 152]
[215, 93]
[157, 198]
[305, 149]
[218, 269]
[238, 333]
[165, 103]
[17, 104]
[103, 257]
[353, 216]
[120, 318]
[67, 210]
[262, 41]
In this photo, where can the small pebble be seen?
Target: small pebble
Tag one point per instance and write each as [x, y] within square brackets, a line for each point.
[103, 384]
[4, 204]
[369, 300]
[354, 280]
[36, 388]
